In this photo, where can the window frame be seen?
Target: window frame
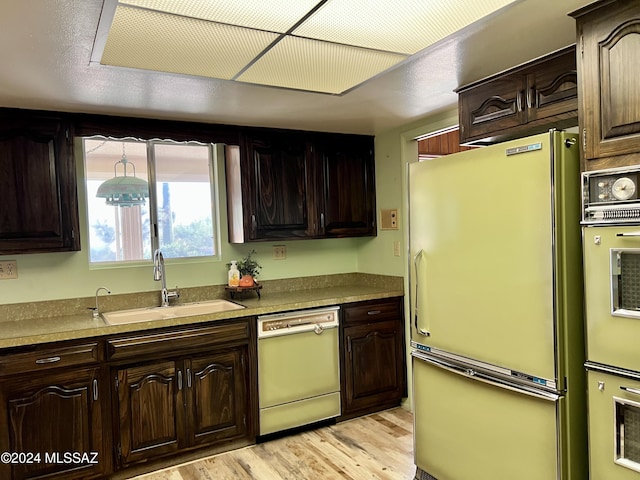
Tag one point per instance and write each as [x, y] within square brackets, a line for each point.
[152, 201]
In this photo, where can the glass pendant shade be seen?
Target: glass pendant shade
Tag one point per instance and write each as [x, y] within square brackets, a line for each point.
[124, 191]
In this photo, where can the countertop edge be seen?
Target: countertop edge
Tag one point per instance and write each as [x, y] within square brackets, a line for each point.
[77, 327]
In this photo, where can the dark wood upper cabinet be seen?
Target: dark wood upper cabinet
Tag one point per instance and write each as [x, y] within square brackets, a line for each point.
[609, 68]
[284, 185]
[39, 211]
[522, 101]
[274, 181]
[347, 204]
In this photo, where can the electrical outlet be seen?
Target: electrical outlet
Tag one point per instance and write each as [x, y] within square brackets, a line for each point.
[8, 269]
[389, 219]
[279, 252]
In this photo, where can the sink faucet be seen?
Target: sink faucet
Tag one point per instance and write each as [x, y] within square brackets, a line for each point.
[159, 275]
[96, 310]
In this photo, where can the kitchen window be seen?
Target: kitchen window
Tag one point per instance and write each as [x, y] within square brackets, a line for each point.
[179, 216]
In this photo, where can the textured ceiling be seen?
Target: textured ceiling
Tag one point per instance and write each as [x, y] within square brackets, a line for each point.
[46, 48]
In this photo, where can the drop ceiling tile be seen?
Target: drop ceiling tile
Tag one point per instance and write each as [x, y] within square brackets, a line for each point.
[273, 15]
[163, 42]
[305, 64]
[405, 26]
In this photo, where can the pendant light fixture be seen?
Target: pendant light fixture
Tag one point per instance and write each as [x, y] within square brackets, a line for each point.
[124, 191]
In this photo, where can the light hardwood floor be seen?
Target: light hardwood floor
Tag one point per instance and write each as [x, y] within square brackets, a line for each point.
[378, 446]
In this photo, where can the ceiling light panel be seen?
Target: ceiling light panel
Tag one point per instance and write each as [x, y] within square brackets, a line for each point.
[273, 15]
[151, 40]
[406, 26]
[311, 65]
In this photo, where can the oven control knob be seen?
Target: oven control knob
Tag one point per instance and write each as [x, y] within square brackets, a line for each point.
[601, 386]
[318, 329]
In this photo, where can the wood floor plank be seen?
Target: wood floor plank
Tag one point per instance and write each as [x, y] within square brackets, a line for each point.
[374, 447]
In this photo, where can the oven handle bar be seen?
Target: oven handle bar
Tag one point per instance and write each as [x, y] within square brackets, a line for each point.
[630, 390]
[628, 234]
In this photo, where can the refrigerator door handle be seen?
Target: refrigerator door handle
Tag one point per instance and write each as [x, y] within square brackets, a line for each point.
[421, 331]
[481, 377]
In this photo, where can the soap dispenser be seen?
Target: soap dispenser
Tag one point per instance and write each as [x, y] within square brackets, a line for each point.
[234, 274]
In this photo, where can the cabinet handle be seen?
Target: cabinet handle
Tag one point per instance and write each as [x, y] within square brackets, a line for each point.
[374, 312]
[188, 378]
[531, 96]
[322, 220]
[349, 344]
[179, 379]
[41, 361]
[254, 225]
[630, 390]
[519, 100]
[95, 389]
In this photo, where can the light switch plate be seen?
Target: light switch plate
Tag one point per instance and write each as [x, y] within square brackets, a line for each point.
[8, 269]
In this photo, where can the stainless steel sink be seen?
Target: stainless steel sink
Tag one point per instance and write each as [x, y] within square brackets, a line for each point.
[160, 313]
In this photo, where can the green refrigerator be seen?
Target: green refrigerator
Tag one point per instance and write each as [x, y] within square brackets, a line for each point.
[496, 312]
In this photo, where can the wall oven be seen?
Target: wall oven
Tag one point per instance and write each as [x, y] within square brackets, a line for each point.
[611, 247]
[614, 423]
[611, 256]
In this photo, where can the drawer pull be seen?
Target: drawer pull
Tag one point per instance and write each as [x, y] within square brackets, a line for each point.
[374, 312]
[42, 361]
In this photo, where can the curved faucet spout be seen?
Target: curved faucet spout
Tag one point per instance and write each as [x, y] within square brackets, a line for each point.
[96, 311]
[159, 275]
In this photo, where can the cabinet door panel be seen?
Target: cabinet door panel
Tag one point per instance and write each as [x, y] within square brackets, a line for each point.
[151, 411]
[553, 88]
[610, 93]
[38, 212]
[276, 189]
[374, 364]
[217, 397]
[494, 106]
[50, 415]
[349, 197]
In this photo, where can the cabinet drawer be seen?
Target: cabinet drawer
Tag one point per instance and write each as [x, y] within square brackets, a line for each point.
[49, 357]
[175, 341]
[373, 311]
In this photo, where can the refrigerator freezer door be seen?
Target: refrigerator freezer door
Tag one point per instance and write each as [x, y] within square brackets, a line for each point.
[469, 430]
[483, 241]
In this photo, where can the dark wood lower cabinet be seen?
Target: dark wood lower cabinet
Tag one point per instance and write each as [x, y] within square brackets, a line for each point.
[168, 406]
[216, 397]
[374, 366]
[53, 424]
[149, 413]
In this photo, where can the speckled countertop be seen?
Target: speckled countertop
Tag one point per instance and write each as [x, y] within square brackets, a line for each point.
[44, 322]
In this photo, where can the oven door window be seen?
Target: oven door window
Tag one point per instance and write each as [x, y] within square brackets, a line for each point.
[625, 282]
[627, 423]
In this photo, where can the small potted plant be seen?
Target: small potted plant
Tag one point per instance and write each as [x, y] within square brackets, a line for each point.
[249, 268]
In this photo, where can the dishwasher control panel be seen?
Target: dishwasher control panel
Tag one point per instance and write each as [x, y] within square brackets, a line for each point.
[297, 322]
